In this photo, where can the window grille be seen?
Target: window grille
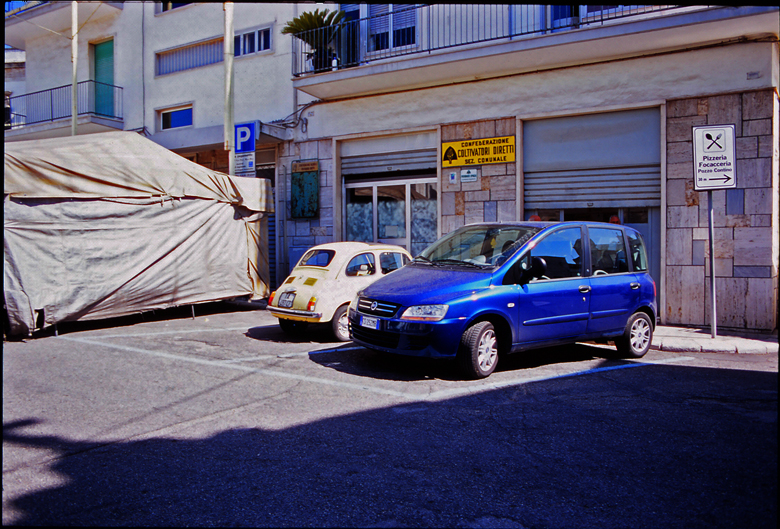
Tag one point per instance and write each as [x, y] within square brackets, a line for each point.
[188, 57]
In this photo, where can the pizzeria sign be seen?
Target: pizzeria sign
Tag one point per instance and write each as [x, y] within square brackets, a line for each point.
[478, 152]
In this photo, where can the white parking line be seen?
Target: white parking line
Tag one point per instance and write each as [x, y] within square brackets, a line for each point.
[182, 331]
[238, 367]
[466, 389]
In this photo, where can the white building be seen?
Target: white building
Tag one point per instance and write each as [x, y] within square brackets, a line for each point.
[432, 116]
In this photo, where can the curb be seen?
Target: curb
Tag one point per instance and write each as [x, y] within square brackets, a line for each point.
[688, 345]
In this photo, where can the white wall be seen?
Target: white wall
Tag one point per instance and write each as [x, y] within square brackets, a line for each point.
[611, 85]
[263, 82]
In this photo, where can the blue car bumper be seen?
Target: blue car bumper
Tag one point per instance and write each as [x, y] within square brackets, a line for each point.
[433, 340]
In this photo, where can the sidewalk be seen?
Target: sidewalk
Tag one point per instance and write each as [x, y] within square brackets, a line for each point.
[694, 340]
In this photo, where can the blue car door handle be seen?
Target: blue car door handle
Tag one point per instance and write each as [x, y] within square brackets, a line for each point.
[584, 288]
[634, 286]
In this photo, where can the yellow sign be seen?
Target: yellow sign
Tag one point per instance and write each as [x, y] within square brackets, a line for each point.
[478, 152]
[305, 167]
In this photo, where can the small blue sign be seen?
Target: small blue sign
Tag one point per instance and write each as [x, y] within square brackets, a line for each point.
[245, 137]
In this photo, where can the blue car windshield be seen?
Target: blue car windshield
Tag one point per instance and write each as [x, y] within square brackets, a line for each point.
[478, 246]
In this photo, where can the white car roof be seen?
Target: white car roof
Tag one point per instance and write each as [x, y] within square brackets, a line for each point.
[346, 249]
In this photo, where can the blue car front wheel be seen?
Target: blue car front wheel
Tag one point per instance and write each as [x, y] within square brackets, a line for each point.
[478, 354]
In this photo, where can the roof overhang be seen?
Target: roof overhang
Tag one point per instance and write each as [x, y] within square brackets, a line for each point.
[35, 19]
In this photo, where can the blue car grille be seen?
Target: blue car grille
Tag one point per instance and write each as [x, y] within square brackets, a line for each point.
[389, 339]
[378, 338]
[377, 308]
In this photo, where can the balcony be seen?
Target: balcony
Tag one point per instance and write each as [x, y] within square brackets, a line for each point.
[48, 113]
[433, 44]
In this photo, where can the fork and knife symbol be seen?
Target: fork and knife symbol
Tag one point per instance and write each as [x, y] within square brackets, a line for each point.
[713, 140]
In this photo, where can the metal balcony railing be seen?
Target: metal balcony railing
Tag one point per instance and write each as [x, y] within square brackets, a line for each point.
[427, 28]
[94, 98]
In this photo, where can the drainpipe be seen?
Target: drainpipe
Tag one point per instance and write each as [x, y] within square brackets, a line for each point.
[229, 117]
[74, 58]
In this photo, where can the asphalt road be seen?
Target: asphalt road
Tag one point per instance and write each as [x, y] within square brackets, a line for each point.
[222, 420]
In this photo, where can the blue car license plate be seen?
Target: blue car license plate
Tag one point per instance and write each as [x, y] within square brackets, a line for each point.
[370, 323]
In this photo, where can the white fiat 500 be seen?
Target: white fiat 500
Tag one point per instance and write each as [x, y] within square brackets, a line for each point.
[326, 279]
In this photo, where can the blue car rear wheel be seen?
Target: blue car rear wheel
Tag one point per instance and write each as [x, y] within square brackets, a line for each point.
[637, 337]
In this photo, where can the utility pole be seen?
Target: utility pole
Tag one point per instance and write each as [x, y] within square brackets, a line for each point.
[74, 58]
[229, 118]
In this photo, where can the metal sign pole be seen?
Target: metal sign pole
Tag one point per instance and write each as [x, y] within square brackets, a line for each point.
[714, 162]
[713, 313]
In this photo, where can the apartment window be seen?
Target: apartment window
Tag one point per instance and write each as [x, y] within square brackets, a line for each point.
[391, 26]
[168, 6]
[190, 56]
[252, 42]
[176, 118]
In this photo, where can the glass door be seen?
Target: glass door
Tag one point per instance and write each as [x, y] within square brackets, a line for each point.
[391, 214]
[399, 212]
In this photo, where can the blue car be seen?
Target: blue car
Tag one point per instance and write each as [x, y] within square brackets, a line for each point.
[489, 289]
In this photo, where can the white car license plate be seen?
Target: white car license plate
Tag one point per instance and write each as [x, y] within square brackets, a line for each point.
[286, 300]
[371, 323]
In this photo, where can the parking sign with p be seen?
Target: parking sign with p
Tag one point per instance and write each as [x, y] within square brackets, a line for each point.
[245, 137]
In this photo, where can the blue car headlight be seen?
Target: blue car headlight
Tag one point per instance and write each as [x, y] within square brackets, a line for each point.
[425, 313]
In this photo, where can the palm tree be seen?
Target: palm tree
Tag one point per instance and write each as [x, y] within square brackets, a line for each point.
[316, 29]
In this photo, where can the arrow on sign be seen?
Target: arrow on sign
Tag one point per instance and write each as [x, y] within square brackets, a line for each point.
[726, 179]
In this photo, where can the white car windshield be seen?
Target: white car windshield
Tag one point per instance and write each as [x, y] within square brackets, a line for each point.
[478, 246]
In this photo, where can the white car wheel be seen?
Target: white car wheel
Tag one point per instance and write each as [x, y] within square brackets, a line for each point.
[340, 324]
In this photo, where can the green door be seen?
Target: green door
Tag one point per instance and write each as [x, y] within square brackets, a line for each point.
[104, 78]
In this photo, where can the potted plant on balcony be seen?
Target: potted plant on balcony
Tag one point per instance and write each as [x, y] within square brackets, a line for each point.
[317, 30]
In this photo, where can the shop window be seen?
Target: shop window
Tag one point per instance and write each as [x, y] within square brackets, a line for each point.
[360, 214]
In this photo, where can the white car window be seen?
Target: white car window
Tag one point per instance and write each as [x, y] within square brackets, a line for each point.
[389, 261]
[361, 265]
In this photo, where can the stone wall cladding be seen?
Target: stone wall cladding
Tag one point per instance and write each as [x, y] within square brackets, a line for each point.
[745, 219]
[319, 230]
[493, 196]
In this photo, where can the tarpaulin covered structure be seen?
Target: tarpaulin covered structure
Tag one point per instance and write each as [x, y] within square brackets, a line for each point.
[105, 225]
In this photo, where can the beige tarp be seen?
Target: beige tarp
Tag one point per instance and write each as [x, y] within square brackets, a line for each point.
[105, 225]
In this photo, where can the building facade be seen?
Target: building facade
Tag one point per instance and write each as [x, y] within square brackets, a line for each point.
[423, 118]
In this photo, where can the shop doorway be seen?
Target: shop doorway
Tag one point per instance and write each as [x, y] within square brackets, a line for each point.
[402, 212]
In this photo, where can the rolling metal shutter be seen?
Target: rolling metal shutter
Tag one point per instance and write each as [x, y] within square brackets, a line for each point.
[408, 152]
[387, 162]
[597, 160]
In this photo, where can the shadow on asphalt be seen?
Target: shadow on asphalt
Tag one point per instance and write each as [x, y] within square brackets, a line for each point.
[173, 313]
[315, 333]
[358, 361]
[661, 446]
